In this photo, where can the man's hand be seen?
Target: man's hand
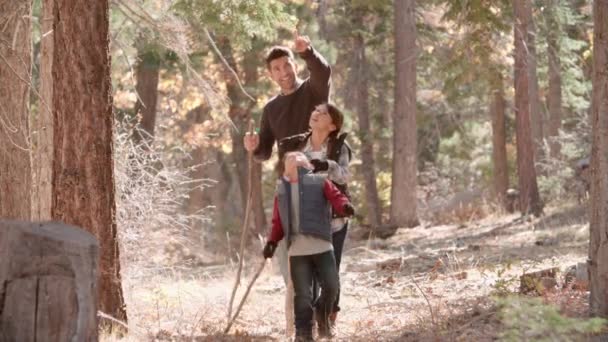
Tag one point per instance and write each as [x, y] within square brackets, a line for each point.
[251, 141]
[269, 249]
[302, 43]
[348, 209]
[319, 165]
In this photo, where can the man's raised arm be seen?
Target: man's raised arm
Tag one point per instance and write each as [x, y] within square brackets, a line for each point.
[320, 71]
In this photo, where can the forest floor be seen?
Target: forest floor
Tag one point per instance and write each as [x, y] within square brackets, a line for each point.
[429, 283]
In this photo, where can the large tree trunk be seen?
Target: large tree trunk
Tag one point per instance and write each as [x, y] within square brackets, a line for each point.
[528, 189]
[536, 112]
[403, 189]
[554, 98]
[598, 244]
[42, 161]
[499, 139]
[15, 68]
[368, 167]
[83, 173]
[147, 74]
[240, 114]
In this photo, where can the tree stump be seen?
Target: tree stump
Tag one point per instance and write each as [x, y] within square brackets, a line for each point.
[48, 282]
[538, 282]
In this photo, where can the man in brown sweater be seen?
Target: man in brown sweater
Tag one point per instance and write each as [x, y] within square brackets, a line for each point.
[288, 113]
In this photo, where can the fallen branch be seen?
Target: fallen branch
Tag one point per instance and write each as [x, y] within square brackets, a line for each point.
[245, 224]
[238, 310]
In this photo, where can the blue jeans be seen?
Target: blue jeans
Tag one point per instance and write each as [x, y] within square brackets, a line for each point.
[303, 269]
[337, 240]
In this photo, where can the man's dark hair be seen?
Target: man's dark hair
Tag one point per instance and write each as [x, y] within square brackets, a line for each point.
[277, 52]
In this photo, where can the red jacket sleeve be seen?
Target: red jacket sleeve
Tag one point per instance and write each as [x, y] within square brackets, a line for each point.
[335, 197]
[276, 232]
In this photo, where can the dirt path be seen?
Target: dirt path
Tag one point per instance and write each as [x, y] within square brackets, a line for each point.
[422, 284]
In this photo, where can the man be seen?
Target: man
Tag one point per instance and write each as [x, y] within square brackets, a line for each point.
[288, 113]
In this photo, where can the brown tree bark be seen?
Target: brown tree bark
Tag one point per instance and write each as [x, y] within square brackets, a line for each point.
[499, 139]
[403, 189]
[536, 112]
[42, 160]
[598, 243]
[15, 70]
[147, 75]
[240, 113]
[361, 100]
[528, 189]
[554, 98]
[48, 282]
[83, 175]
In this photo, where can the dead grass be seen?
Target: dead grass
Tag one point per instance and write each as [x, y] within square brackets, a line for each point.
[423, 284]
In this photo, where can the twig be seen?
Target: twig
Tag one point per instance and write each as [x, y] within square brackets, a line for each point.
[245, 225]
[427, 300]
[227, 65]
[115, 320]
[238, 310]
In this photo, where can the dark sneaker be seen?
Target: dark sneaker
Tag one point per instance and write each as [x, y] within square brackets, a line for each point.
[324, 326]
[304, 337]
[332, 319]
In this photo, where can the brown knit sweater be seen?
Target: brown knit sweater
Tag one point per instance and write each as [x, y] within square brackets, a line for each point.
[287, 115]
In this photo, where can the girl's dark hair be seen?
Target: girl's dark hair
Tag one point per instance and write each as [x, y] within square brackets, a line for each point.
[337, 118]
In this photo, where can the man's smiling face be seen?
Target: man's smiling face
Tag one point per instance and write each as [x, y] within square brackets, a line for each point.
[283, 71]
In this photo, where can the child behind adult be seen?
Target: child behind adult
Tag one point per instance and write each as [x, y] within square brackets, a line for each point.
[325, 146]
[301, 214]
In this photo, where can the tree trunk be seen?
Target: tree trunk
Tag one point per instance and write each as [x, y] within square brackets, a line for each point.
[374, 211]
[15, 69]
[403, 189]
[381, 124]
[48, 282]
[536, 112]
[240, 114]
[147, 74]
[83, 174]
[499, 139]
[528, 190]
[598, 244]
[554, 98]
[42, 161]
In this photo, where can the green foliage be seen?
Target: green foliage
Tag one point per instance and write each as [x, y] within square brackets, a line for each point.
[240, 20]
[561, 19]
[466, 155]
[529, 319]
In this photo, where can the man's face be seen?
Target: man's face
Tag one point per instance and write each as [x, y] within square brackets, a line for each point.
[283, 71]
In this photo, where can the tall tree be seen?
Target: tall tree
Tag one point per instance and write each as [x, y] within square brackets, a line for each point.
[15, 69]
[240, 112]
[83, 175]
[361, 100]
[403, 188]
[499, 137]
[528, 189]
[598, 243]
[147, 74]
[554, 97]
[536, 112]
[42, 160]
